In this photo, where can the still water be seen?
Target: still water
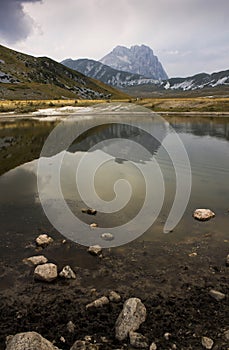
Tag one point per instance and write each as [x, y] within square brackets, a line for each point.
[119, 160]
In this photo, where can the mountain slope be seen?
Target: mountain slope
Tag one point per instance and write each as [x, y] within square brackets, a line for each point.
[26, 77]
[138, 60]
[106, 74]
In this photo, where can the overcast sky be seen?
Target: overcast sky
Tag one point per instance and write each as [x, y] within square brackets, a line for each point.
[188, 36]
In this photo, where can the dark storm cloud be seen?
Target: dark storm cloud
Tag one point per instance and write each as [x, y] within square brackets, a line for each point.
[15, 24]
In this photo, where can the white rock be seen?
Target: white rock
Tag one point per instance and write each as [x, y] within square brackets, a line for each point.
[217, 295]
[43, 240]
[153, 346]
[93, 225]
[203, 214]
[167, 336]
[29, 341]
[67, 273]
[138, 341]
[46, 272]
[131, 317]
[207, 342]
[115, 297]
[98, 302]
[95, 250]
[36, 260]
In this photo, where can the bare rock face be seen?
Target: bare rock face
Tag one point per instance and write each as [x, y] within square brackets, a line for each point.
[203, 214]
[43, 240]
[46, 272]
[36, 260]
[67, 273]
[131, 317]
[30, 341]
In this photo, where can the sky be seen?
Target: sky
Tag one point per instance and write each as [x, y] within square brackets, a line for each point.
[188, 36]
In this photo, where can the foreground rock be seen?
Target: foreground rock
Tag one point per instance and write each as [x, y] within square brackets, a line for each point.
[207, 342]
[67, 273]
[46, 272]
[203, 214]
[36, 260]
[43, 240]
[131, 317]
[28, 341]
[138, 341]
[217, 295]
[95, 250]
[98, 302]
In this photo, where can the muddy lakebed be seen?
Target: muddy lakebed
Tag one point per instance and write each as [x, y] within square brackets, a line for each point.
[172, 273]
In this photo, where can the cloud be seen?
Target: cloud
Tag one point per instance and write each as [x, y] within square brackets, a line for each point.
[15, 24]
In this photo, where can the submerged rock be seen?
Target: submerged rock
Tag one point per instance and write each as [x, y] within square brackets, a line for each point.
[36, 260]
[207, 342]
[98, 302]
[46, 272]
[203, 214]
[138, 340]
[67, 273]
[95, 250]
[131, 317]
[30, 341]
[43, 240]
[216, 295]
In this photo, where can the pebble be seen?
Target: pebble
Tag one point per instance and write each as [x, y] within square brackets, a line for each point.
[95, 250]
[207, 342]
[36, 260]
[43, 240]
[71, 327]
[89, 211]
[167, 335]
[98, 302]
[131, 317]
[216, 295]
[203, 214]
[138, 340]
[93, 225]
[227, 260]
[107, 236]
[46, 272]
[153, 346]
[67, 273]
[114, 297]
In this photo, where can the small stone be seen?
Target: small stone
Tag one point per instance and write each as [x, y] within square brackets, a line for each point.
[64, 241]
[71, 327]
[203, 214]
[216, 295]
[89, 211]
[138, 340]
[67, 273]
[62, 339]
[30, 341]
[98, 302]
[43, 240]
[227, 260]
[114, 297]
[131, 317]
[226, 335]
[107, 236]
[95, 250]
[192, 254]
[46, 272]
[153, 346]
[174, 347]
[79, 345]
[36, 260]
[207, 342]
[93, 225]
[167, 336]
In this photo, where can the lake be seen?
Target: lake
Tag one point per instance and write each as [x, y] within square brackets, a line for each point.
[126, 157]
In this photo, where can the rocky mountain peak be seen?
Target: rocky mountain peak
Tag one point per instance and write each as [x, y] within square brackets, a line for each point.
[137, 60]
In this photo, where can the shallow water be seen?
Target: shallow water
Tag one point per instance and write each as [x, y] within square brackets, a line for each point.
[131, 154]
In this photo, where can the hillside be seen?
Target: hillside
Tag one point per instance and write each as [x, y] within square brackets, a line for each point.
[27, 77]
[106, 74]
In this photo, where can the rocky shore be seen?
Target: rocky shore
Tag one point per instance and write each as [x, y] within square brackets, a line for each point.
[148, 295]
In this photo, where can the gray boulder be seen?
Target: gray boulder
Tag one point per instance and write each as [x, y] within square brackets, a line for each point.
[28, 341]
[131, 317]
